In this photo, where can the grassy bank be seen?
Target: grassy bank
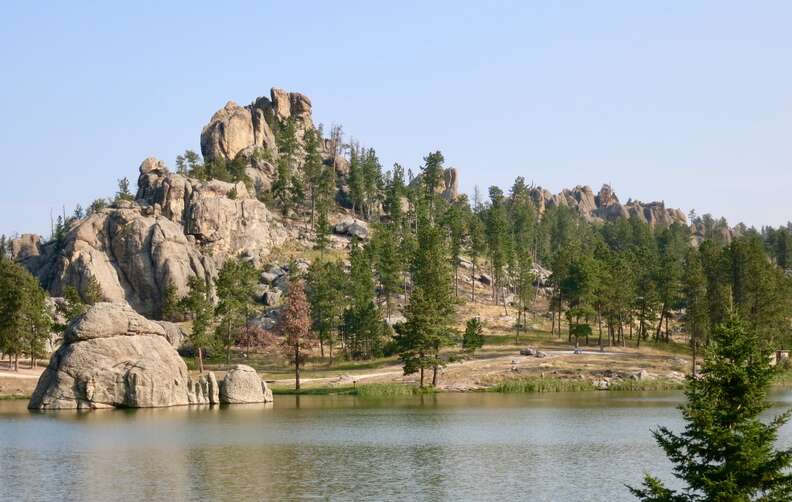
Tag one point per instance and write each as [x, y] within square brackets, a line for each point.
[370, 391]
[14, 397]
[538, 385]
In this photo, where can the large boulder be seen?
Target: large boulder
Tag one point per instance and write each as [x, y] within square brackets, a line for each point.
[234, 128]
[112, 357]
[242, 385]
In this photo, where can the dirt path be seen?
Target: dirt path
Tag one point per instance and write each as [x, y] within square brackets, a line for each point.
[492, 366]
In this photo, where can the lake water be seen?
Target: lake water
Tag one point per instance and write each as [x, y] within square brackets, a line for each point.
[480, 446]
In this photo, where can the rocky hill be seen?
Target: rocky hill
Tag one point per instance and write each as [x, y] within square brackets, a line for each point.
[177, 226]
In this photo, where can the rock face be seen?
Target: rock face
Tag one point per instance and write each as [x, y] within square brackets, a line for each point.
[176, 228]
[605, 206]
[235, 128]
[242, 385]
[449, 186]
[112, 357]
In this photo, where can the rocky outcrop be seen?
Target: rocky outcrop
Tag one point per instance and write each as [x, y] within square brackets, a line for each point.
[112, 357]
[605, 206]
[242, 385]
[235, 128]
[352, 227]
[177, 227]
[449, 185]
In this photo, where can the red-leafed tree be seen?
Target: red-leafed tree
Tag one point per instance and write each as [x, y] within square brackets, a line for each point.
[295, 328]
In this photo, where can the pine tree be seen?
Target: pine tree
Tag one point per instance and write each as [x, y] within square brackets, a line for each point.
[473, 338]
[92, 294]
[726, 453]
[235, 286]
[361, 327]
[24, 319]
[295, 328]
[387, 263]
[324, 281]
[170, 309]
[123, 192]
[312, 167]
[198, 305]
[429, 315]
[696, 308]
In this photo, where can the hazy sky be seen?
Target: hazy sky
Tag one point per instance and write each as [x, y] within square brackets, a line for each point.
[687, 102]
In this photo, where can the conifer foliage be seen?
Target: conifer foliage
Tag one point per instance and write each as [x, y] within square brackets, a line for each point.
[726, 453]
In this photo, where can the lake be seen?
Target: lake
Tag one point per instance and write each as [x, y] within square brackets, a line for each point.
[476, 446]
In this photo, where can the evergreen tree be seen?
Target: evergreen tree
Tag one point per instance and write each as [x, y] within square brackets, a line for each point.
[473, 338]
[24, 319]
[361, 327]
[198, 306]
[92, 294]
[726, 453]
[325, 280]
[312, 167]
[170, 309]
[123, 192]
[236, 284]
[696, 308]
[429, 315]
[387, 263]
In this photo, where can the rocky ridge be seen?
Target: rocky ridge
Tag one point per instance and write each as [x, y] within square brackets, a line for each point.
[177, 227]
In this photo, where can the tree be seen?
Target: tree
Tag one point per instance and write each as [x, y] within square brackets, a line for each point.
[696, 308]
[473, 338]
[24, 319]
[387, 262]
[123, 192]
[429, 315]
[295, 328]
[726, 453]
[312, 166]
[236, 284]
[476, 248]
[361, 326]
[92, 294]
[198, 305]
[170, 309]
[325, 280]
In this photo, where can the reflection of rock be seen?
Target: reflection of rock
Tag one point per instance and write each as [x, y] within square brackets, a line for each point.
[112, 357]
[243, 385]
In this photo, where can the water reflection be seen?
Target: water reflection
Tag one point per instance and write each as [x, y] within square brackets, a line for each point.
[433, 447]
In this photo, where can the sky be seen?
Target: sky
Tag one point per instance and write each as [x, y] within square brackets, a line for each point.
[685, 102]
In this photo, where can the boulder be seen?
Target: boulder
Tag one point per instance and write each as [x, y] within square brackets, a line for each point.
[242, 385]
[273, 297]
[352, 227]
[113, 357]
[24, 247]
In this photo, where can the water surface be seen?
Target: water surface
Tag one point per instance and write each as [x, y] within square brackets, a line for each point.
[481, 446]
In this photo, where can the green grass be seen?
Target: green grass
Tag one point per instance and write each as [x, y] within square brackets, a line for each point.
[646, 385]
[14, 397]
[367, 391]
[537, 384]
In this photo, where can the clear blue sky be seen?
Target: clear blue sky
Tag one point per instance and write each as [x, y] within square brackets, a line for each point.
[687, 102]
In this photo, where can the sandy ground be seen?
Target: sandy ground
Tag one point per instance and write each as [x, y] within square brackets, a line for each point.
[493, 366]
[18, 383]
